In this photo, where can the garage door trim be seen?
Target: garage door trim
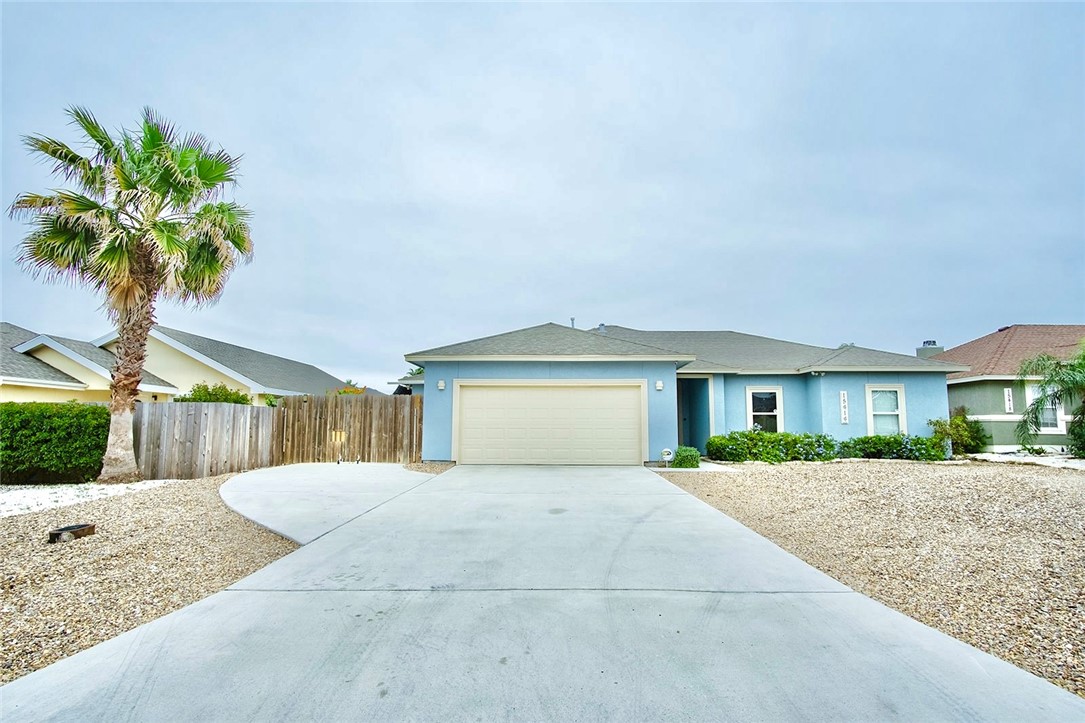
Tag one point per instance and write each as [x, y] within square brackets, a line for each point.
[457, 384]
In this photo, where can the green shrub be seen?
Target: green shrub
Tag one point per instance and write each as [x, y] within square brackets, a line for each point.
[686, 457]
[1075, 432]
[219, 393]
[44, 443]
[893, 446]
[967, 436]
[733, 447]
[772, 447]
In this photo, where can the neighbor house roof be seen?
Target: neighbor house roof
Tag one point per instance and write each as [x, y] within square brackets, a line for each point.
[1000, 353]
[24, 367]
[545, 341]
[98, 360]
[735, 352]
[268, 373]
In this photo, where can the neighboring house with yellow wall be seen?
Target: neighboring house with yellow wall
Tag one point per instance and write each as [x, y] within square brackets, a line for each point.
[40, 367]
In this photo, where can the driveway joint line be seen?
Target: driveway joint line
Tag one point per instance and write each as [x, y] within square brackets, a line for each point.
[366, 512]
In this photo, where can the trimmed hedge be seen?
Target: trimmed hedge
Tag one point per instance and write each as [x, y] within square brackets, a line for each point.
[772, 447]
[686, 458]
[45, 443]
[895, 446]
[775, 447]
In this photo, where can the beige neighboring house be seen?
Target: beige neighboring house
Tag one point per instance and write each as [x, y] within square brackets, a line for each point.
[46, 368]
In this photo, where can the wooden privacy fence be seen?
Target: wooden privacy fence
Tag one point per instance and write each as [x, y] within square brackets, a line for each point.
[185, 440]
[351, 428]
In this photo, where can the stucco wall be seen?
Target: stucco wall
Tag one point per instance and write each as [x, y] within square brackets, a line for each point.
[437, 411]
[812, 403]
[20, 393]
[181, 370]
[58, 361]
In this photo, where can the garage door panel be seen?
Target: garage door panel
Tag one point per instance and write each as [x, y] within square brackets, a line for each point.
[551, 424]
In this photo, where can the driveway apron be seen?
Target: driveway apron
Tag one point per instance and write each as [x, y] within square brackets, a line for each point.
[524, 593]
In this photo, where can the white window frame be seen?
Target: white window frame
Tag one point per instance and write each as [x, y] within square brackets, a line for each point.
[902, 407]
[1031, 392]
[779, 391]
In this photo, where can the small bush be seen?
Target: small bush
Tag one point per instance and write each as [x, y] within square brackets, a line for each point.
[967, 436]
[771, 447]
[893, 446]
[42, 443]
[687, 458]
[1075, 432]
[219, 393]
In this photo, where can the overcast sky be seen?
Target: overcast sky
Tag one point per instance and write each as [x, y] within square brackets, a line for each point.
[427, 174]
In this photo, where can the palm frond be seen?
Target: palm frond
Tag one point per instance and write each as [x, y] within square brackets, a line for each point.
[157, 132]
[68, 164]
[32, 204]
[1061, 382]
[216, 170]
[56, 249]
[107, 148]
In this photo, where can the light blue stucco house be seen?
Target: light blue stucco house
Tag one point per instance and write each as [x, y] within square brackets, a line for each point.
[551, 394]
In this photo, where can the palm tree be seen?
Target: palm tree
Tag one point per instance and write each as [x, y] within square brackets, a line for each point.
[1061, 383]
[146, 219]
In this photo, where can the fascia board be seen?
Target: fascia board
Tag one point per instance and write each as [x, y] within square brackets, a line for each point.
[992, 378]
[947, 369]
[41, 383]
[259, 389]
[105, 339]
[552, 358]
[43, 340]
[255, 386]
[157, 389]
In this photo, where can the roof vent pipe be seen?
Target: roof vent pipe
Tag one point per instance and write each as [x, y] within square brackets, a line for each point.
[602, 329]
[572, 322]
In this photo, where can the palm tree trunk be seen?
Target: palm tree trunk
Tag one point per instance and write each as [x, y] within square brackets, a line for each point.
[134, 326]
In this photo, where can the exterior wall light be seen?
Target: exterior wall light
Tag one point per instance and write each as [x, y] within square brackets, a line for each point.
[659, 385]
[440, 385]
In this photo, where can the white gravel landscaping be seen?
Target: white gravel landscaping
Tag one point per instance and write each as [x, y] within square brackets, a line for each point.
[21, 499]
[158, 546]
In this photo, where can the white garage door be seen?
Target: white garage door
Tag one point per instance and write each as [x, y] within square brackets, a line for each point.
[550, 424]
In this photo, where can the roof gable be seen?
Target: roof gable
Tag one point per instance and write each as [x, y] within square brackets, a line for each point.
[276, 374]
[98, 361]
[18, 365]
[548, 340]
[1001, 353]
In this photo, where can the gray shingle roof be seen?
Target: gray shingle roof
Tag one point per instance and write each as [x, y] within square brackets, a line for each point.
[702, 351]
[273, 372]
[103, 358]
[23, 366]
[547, 340]
[731, 351]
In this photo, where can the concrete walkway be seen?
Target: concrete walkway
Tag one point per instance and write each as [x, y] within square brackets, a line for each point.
[524, 593]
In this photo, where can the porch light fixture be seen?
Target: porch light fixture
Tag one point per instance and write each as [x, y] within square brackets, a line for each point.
[440, 385]
[659, 385]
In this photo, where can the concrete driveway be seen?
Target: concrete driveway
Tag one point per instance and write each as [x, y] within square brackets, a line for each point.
[524, 593]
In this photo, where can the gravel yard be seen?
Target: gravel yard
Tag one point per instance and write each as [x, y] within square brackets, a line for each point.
[992, 554]
[155, 550]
